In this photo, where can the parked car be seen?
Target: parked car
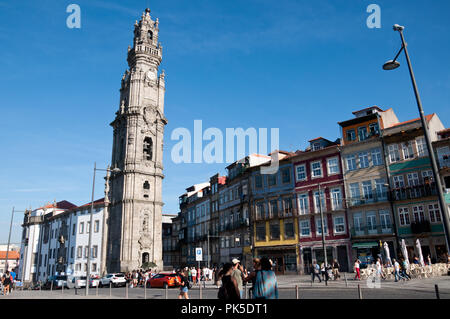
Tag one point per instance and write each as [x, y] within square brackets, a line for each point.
[77, 282]
[55, 282]
[163, 280]
[116, 279]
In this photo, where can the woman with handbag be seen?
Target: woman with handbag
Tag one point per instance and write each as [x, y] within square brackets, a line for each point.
[266, 286]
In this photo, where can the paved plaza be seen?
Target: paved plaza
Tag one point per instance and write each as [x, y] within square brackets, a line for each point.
[413, 289]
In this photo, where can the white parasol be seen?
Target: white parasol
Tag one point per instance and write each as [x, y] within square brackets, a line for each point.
[419, 250]
[405, 252]
[386, 251]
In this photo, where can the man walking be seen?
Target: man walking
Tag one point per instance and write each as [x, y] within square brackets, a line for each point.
[315, 270]
[238, 275]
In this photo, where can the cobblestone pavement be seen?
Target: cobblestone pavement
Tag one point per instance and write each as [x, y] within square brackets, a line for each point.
[340, 289]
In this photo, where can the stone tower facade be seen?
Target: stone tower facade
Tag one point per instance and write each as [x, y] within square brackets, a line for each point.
[134, 212]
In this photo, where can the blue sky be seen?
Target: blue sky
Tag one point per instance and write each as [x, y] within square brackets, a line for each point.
[300, 66]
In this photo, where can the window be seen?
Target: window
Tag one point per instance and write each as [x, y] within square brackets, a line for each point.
[316, 169]
[319, 225]
[427, 177]
[150, 35]
[339, 225]
[371, 219]
[398, 181]
[418, 214]
[413, 180]
[272, 178]
[381, 189]
[74, 229]
[354, 193]
[318, 205]
[403, 213]
[351, 136]
[275, 230]
[351, 162]
[81, 228]
[394, 155]
[385, 219]
[287, 206]
[407, 150]
[79, 252]
[358, 222]
[422, 149]
[86, 251]
[148, 149]
[94, 267]
[336, 199]
[72, 252]
[301, 172]
[374, 130]
[303, 205]
[333, 166]
[289, 228]
[363, 159]
[286, 175]
[94, 251]
[88, 227]
[274, 208]
[258, 181]
[146, 185]
[260, 211]
[376, 157]
[261, 231]
[96, 226]
[362, 133]
[435, 213]
[305, 229]
[367, 190]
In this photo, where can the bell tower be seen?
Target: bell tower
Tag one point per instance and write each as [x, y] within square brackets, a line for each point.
[134, 216]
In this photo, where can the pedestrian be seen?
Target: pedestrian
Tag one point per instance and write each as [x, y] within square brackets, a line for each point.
[217, 277]
[379, 269]
[184, 285]
[266, 286]
[396, 270]
[229, 289]
[336, 274]
[323, 271]
[190, 274]
[252, 276]
[315, 270]
[6, 280]
[238, 274]
[429, 260]
[357, 269]
[405, 269]
[194, 274]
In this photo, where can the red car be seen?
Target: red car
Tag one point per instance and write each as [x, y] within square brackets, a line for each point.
[163, 280]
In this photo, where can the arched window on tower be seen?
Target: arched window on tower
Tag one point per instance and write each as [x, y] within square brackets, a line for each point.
[148, 148]
[146, 185]
[150, 35]
[145, 258]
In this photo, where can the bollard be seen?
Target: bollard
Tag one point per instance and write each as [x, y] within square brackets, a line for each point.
[76, 291]
[436, 289]
[359, 292]
[62, 288]
[167, 292]
[51, 286]
[246, 292]
[110, 289]
[145, 290]
[97, 289]
[126, 290]
[296, 292]
[201, 292]
[345, 277]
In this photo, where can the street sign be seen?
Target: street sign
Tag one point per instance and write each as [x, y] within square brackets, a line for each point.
[198, 254]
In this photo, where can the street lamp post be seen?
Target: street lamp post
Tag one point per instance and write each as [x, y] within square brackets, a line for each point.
[391, 65]
[323, 234]
[88, 269]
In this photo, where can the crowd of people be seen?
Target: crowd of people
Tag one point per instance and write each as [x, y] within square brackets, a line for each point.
[231, 278]
[326, 271]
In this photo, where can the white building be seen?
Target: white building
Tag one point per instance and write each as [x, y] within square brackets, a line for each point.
[55, 241]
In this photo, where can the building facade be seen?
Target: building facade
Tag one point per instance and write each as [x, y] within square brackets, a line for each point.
[369, 207]
[414, 193]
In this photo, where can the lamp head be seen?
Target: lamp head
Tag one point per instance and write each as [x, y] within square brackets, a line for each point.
[116, 170]
[398, 27]
[391, 65]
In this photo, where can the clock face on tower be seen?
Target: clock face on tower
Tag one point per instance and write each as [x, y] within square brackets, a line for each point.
[151, 75]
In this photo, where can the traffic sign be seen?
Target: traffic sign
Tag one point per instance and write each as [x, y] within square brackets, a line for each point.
[198, 254]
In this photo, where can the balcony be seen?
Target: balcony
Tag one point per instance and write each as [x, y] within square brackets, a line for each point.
[369, 199]
[413, 192]
[444, 162]
[371, 230]
[420, 227]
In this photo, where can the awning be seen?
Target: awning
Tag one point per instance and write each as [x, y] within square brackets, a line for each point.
[365, 244]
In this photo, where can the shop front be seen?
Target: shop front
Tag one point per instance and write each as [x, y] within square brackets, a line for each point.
[284, 261]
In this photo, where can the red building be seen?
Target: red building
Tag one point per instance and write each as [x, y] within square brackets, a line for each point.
[319, 167]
